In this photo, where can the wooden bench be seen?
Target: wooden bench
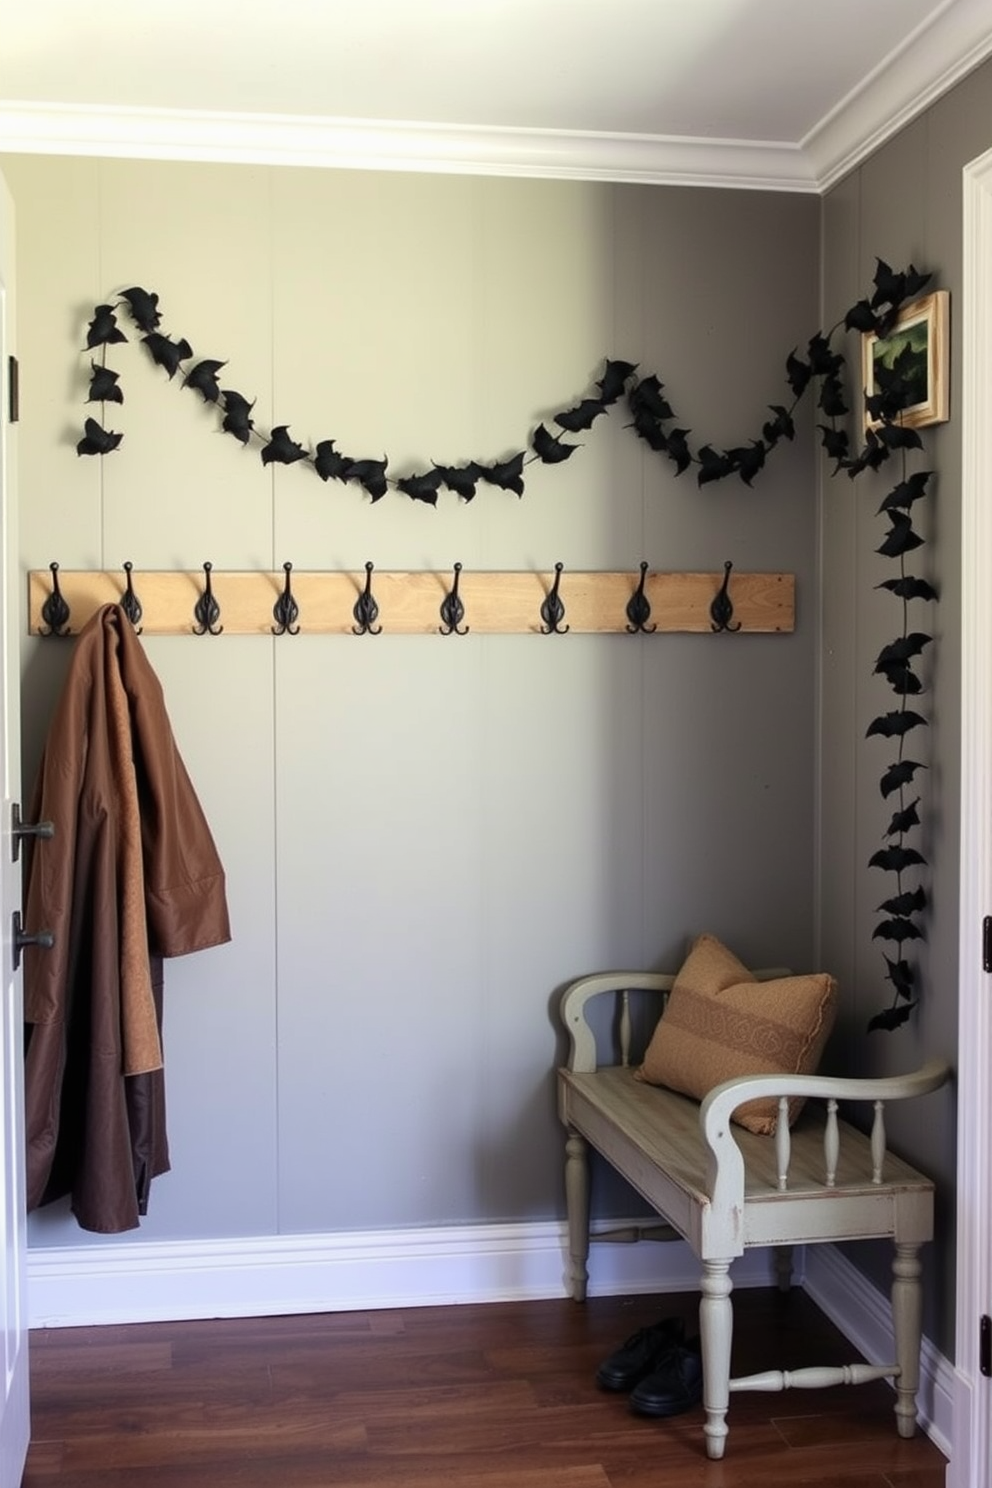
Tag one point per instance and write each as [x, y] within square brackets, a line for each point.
[724, 1190]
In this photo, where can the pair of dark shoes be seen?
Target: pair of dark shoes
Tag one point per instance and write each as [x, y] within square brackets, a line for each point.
[662, 1371]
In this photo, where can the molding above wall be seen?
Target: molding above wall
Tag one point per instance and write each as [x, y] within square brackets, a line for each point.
[928, 63]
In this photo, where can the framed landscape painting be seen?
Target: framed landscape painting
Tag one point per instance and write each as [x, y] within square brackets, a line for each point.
[916, 347]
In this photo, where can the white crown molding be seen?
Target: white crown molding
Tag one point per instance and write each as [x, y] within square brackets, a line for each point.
[368, 144]
[928, 62]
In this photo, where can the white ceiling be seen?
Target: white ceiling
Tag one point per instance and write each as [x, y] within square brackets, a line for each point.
[783, 93]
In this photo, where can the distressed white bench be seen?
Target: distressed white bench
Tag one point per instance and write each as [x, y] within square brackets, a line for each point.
[725, 1190]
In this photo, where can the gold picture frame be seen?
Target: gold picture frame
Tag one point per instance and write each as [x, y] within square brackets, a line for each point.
[922, 329]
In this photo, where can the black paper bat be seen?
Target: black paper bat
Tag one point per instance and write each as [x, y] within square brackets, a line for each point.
[144, 308]
[871, 457]
[832, 401]
[549, 448]
[166, 353]
[823, 360]
[461, 479]
[97, 440]
[329, 463]
[281, 450]
[914, 901]
[798, 373]
[898, 775]
[203, 379]
[103, 385]
[894, 725]
[614, 379]
[781, 427]
[891, 1018]
[900, 538]
[901, 678]
[103, 328]
[371, 474]
[237, 416]
[895, 859]
[898, 436]
[903, 495]
[861, 317]
[678, 449]
[507, 474]
[909, 587]
[835, 443]
[897, 930]
[582, 416]
[422, 487]
[713, 465]
[748, 459]
[903, 648]
[900, 974]
[904, 821]
[647, 395]
[647, 427]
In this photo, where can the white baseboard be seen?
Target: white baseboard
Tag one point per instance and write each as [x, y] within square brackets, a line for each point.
[157, 1281]
[863, 1315]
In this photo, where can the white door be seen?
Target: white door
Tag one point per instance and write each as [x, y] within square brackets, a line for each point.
[14, 1413]
[971, 1462]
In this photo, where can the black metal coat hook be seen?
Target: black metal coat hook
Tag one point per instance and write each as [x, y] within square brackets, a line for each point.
[206, 611]
[639, 608]
[453, 610]
[55, 611]
[552, 610]
[130, 603]
[366, 611]
[722, 608]
[285, 611]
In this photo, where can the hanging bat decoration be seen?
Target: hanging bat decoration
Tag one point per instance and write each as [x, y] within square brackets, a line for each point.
[103, 329]
[166, 353]
[237, 415]
[421, 487]
[651, 417]
[549, 448]
[203, 378]
[96, 440]
[143, 307]
[281, 450]
[103, 385]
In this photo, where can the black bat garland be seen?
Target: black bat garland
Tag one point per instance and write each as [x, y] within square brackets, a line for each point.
[651, 420]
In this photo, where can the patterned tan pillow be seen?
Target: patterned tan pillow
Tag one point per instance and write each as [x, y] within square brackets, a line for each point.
[721, 1022]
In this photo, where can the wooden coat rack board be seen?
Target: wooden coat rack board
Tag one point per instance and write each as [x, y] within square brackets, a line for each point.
[481, 603]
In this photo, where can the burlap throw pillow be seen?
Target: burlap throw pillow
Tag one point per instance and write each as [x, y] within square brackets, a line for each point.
[721, 1022]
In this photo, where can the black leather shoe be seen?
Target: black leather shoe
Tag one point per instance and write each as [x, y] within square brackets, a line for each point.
[641, 1354]
[675, 1386]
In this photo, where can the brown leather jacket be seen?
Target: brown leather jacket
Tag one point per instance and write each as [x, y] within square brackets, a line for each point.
[131, 876]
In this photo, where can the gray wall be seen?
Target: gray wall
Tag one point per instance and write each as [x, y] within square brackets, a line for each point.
[903, 205]
[426, 838]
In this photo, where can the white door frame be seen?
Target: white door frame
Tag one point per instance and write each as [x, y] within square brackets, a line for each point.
[971, 1466]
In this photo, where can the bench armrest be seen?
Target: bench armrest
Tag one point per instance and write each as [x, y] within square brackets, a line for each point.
[577, 995]
[726, 1163]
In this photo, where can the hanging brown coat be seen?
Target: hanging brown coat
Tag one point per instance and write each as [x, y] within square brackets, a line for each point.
[131, 875]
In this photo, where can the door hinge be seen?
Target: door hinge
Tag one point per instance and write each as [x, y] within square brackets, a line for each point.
[987, 943]
[13, 390]
[985, 1345]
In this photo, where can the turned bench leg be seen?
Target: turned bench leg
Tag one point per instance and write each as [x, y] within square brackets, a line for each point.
[716, 1329]
[577, 1206]
[907, 1325]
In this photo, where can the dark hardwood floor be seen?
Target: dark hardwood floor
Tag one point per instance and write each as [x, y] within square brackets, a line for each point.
[496, 1396]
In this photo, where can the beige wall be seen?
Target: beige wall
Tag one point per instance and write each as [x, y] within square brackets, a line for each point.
[903, 205]
[425, 838]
